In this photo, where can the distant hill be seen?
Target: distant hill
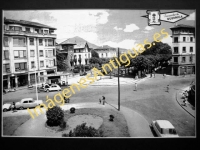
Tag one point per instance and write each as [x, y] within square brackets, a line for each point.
[78, 39]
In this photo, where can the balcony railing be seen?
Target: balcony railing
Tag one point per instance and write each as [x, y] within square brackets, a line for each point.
[20, 70]
[28, 33]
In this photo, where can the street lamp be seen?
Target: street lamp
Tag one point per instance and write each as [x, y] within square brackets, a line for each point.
[36, 84]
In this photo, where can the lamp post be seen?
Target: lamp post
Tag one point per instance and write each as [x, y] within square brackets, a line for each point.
[36, 84]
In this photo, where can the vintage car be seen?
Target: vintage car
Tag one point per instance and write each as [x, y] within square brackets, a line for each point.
[164, 128]
[53, 87]
[28, 103]
[6, 107]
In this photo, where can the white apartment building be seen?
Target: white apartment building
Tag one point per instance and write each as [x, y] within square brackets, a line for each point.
[183, 49]
[28, 47]
[106, 51]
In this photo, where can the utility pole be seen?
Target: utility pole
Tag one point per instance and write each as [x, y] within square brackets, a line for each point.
[118, 86]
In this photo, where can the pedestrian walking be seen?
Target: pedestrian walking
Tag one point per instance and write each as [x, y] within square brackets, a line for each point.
[103, 99]
[100, 100]
[14, 107]
[167, 88]
[135, 86]
[164, 75]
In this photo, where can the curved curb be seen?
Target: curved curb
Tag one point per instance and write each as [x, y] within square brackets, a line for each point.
[137, 125]
[184, 108]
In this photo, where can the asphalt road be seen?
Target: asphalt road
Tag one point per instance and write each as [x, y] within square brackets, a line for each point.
[150, 99]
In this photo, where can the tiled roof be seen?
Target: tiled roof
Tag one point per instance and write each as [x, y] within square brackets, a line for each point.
[30, 23]
[68, 41]
[182, 26]
[104, 47]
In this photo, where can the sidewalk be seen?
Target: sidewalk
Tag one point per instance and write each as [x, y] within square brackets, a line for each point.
[188, 108]
[137, 124]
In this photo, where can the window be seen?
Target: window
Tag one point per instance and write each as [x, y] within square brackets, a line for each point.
[32, 53]
[19, 54]
[183, 59]
[45, 31]
[46, 52]
[19, 42]
[106, 54]
[41, 63]
[50, 42]
[40, 42]
[32, 64]
[6, 67]
[37, 30]
[54, 52]
[25, 102]
[191, 39]
[175, 50]
[20, 66]
[175, 39]
[15, 28]
[31, 41]
[28, 30]
[5, 41]
[45, 42]
[50, 53]
[176, 59]
[191, 49]
[183, 39]
[184, 49]
[41, 53]
[190, 58]
[6, 54]
[102, 55]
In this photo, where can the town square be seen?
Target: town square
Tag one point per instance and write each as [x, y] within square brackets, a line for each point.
[98, 74]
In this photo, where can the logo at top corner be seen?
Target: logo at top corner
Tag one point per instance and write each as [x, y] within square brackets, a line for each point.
[155, 17]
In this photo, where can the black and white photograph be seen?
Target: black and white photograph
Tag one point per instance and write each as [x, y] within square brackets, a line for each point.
[99, 73]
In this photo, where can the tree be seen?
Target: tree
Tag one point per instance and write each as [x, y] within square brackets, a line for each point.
[94, 54]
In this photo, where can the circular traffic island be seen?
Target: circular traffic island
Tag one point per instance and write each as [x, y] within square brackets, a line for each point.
[92, 122]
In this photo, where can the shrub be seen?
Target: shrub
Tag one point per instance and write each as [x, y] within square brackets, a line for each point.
[65, 135]
[63, 124]
[85, 131]
[72, 110]
[55, 116]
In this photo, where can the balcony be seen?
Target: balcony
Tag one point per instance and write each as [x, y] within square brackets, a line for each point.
[25, 33]
[20, 70]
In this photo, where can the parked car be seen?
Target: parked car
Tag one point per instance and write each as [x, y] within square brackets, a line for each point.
[164, 128]
[6, 107]
[53, 87]
[83, 74]
[27, 103]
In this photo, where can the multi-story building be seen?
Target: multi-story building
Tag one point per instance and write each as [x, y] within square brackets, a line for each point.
[106, 51]
[28, 48]
[74, 53]
[82, 53]
[183, 49]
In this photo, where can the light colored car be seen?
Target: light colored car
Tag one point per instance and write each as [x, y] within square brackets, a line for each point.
[28, 103]
[6, 107]
[164, 128]
[53, 87]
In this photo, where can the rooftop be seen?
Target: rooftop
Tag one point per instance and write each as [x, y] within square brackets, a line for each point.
[182, 26]
[80, 45]
[164, 124]
[29, 23]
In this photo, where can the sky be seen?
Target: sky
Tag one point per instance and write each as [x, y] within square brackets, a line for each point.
[114, 27]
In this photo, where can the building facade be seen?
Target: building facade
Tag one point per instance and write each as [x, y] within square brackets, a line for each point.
[74, 53]
[183, 50]
[28, 48]
[106, 51]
